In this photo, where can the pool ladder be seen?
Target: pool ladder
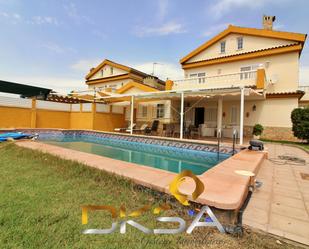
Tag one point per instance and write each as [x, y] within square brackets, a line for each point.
[234, 140]
[219, 137]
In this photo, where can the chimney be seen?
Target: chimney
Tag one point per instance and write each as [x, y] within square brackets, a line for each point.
[268, 22]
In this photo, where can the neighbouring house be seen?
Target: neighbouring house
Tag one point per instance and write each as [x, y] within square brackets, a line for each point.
[113, 79]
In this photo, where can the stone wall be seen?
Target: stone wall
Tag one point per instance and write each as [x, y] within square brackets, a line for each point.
[273, 133]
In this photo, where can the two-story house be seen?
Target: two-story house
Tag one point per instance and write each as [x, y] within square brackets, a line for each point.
[261, 59]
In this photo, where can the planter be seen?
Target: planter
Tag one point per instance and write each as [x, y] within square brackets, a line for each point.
[256, 137]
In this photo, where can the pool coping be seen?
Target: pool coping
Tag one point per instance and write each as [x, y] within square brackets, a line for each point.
[224, 189]
[184, 140]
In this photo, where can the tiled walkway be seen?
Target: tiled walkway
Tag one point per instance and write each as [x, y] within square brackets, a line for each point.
[281, 205]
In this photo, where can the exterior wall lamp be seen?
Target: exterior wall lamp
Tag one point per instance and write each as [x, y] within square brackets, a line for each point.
[254, 108]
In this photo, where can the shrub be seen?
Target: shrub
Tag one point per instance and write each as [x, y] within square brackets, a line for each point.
[257, 130]
[300, 120]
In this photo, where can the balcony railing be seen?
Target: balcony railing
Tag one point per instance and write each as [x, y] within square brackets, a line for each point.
[247, 78]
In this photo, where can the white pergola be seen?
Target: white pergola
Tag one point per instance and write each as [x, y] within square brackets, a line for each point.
[243, 92]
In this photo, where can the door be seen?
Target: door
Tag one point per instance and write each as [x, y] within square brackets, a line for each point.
[199, 116]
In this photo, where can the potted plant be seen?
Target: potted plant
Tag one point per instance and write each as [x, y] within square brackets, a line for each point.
[257, 131]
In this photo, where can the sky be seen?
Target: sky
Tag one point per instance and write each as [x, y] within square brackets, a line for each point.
[54, 43]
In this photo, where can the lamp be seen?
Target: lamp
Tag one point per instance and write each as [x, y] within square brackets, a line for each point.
[254, 108]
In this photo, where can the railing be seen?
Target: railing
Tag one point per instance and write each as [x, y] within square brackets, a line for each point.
[247, 78]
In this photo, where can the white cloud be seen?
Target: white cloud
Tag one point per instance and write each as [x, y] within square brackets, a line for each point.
[40, 20]
[162, 9]
[11, 17]
[171, 27]
[163, 70]
[222, 7]
[215, 29]
[304, 76]
[75, 15]
[84, 65]
[54, 47]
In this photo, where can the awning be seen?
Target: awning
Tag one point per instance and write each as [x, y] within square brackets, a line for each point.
[23, 90]
[189, 94]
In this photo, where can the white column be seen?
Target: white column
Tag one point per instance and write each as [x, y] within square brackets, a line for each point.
[219, 114]
[132, 115]
[241, 123]
[181, 115]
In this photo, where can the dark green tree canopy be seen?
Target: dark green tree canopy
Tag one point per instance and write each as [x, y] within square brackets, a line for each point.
[300, 120]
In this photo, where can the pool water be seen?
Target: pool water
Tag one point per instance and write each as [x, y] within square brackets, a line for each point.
[168, 158]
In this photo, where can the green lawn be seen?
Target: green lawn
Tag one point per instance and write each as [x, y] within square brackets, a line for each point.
[302, 145]
[40, 207]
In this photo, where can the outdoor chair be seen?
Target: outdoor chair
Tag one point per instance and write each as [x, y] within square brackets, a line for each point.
[124, 129]
[168, 130]
[153, 129]
[140, 130]
[194, 131]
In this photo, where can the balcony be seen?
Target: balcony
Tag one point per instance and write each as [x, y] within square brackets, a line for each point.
[248, 78]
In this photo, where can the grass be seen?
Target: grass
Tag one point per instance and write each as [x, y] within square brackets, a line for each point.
[298, 144]
[41, 198]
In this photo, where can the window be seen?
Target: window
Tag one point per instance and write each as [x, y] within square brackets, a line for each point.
[102, 73]
[240, 43]
[234, 115]
[111, 70]
[201, 77]
[160, 110]
[246, 72]
[222, 47]
[144, 111]
[193, 75]
[210, 114]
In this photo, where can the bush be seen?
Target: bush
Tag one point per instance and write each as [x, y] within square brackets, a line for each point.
[257, 130]
[300, 120]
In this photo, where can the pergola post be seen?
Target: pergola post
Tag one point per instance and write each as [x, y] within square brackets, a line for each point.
[181, 115]
[132, 115]
[219, 114]
[241, 123]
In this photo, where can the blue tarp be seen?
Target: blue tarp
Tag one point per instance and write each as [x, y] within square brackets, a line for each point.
[14, 135]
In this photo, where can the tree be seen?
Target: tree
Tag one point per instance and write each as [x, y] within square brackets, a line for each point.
[300, 120]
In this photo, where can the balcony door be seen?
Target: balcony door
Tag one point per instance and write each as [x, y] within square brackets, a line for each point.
[199, 116]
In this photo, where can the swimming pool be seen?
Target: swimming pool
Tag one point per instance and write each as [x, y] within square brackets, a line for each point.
[166, 155]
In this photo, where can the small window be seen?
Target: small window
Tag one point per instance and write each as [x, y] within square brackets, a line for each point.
[160, 110]
[201, 77]
[144, 111]
[112, 70]
[222, 47]
[193, 75]
[240, 43]
[102, 73]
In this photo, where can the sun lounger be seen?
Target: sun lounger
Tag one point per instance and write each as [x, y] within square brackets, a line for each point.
[124, 129]
[141, 129]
